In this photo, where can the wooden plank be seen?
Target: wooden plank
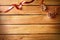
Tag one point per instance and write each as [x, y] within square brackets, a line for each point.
[29, 29]
[25, 10]
[52, 2]
[9, 2]
[36, 2]
[30, 10]
[28, 19]
[30, 37]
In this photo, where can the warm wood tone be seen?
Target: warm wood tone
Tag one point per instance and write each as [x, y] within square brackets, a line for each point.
[30, 10]
[28, 19]
[25, 10]
[29, 29]
[9, 2]
[36, 2]
[52, 2]
[29, 26]
[30, 37]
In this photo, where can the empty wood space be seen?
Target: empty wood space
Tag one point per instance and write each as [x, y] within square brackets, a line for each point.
[30, 37]
[28, 19]
[29, 29]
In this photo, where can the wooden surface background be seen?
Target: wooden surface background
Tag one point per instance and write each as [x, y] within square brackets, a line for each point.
[30, 23]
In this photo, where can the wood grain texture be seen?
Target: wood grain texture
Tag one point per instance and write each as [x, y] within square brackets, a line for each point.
[28, 19]
[30, 37]
[30, 10]
[9, 2]
[29, 29]
[36, 2]
[30, 23]
[52, 2]
[25, 10]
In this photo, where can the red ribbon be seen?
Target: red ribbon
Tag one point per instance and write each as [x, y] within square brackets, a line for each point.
[19, 7]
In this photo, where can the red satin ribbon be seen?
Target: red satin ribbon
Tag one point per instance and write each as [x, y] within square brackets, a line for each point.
[19, 7]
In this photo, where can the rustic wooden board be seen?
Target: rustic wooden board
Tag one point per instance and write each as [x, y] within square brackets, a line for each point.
[28, 19]
[30, 37]
[36, 2]
[30, 10]
[29, 29]
[25, 10]
[32, 26]
[9, 2]
[52, 2]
